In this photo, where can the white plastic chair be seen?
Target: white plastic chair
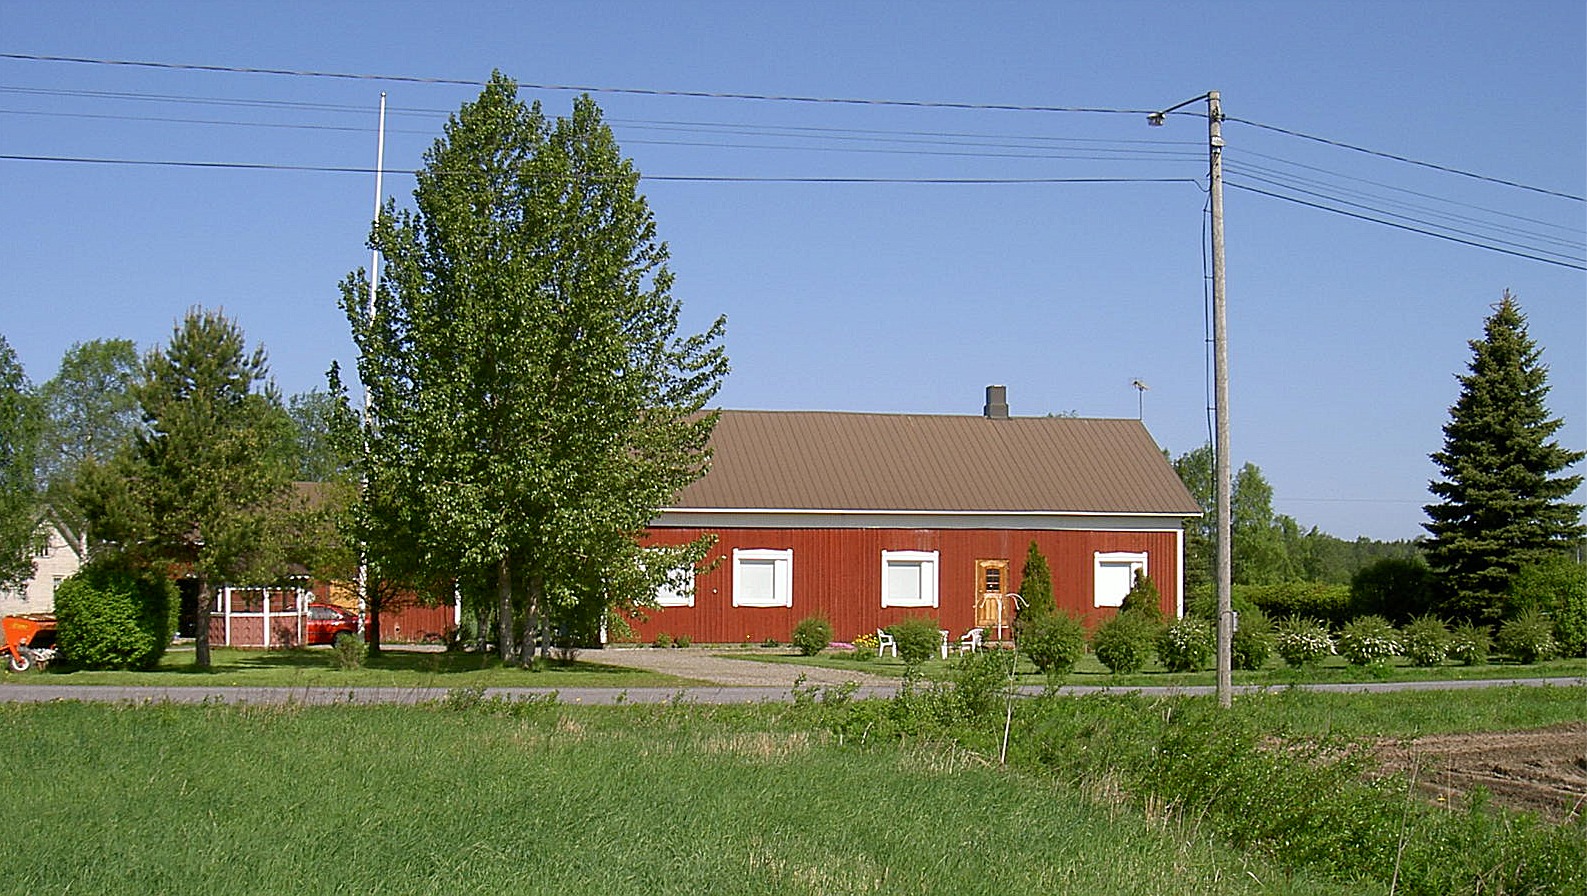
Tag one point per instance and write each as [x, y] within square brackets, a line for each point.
[885, 641]
[971, 642]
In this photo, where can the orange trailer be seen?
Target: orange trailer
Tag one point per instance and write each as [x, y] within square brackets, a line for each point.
[30, 640]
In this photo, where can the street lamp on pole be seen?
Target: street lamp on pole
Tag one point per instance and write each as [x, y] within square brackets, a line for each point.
[1220, 376]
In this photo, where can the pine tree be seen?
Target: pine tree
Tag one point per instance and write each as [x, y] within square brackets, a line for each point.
[1503, 496]
[205, 484]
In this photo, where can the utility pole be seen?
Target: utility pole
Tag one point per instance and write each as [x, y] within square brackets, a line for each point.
[1220, 378]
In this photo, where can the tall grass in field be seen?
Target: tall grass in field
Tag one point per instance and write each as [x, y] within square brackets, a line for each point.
[486, 797]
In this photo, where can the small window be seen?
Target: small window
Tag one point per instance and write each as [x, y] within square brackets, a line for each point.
[1114, 575]
[762, 578]
[909, 578]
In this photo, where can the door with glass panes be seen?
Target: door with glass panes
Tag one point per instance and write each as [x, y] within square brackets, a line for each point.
[994, 611]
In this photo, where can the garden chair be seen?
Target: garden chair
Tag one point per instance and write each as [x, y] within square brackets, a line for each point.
[971, 642]
[885, 641]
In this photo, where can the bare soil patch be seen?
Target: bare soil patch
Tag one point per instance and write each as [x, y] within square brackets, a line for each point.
[1543, 771]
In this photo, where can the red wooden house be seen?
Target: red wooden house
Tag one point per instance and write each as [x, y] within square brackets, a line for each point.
[868, 518]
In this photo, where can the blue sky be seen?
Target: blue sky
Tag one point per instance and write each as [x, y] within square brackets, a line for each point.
[1345, 335]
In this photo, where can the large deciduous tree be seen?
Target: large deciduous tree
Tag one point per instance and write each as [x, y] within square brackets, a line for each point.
[204, 488]
[19, 443]
[532, 403]
[90, 416]
[1503, 493]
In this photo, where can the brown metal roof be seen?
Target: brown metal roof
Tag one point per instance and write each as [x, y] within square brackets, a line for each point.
[815, 460]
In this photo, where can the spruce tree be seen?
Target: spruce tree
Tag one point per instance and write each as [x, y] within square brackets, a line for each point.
[1503, 496]
[1035, 586]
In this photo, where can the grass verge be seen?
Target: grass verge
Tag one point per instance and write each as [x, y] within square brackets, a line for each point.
[488, 797]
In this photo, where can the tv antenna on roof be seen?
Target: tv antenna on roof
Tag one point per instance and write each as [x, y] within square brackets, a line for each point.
[1140, 398]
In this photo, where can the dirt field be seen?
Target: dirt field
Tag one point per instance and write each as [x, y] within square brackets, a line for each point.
[1542, 771]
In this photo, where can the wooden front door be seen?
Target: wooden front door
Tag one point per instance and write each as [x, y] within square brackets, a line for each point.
[994, 612]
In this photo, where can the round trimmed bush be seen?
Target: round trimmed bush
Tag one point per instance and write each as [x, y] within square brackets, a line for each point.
[112, 618]
[812, 635]
[918, 639]
[1054, 642]
[1124, 643]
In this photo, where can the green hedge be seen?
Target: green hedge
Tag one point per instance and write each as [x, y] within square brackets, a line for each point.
[1328, 604]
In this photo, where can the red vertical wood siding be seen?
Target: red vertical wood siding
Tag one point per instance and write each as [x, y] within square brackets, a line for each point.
[837, 573]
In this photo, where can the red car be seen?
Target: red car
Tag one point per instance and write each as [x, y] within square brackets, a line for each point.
[326, 621]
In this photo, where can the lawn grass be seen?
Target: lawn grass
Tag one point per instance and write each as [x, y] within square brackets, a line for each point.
[489, 797]
[316, 667]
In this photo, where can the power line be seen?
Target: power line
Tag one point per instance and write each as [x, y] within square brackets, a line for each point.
[1409, 161]
[1450, 229]
[632, 91]
[677, 178]
[1423, 195]
[1573, 265]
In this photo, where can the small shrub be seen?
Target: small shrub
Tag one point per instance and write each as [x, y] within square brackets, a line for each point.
[1527, 638]
[1302, 642]
[1124, 643]
[1054, 642]
[1252, 643]
[349, 651]
[1426, 641]
[1187, 645]
[112, 618]
[811, 635]
[1469, 644]
[1369, 639]
[979, 680]
[682, 641]
[771, 642]
[663, 640]
[918, 640]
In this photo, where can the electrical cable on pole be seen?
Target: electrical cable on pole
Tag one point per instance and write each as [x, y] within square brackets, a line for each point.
[1220, 375]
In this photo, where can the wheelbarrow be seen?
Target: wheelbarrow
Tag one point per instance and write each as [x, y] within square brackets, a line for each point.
[30, 640]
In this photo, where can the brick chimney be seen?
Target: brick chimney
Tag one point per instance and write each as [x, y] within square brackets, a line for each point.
[996, 403]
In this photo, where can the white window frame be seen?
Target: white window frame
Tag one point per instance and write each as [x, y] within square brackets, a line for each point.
[668, 594]
[781, 561]
[928, 563]
[1135, 561]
